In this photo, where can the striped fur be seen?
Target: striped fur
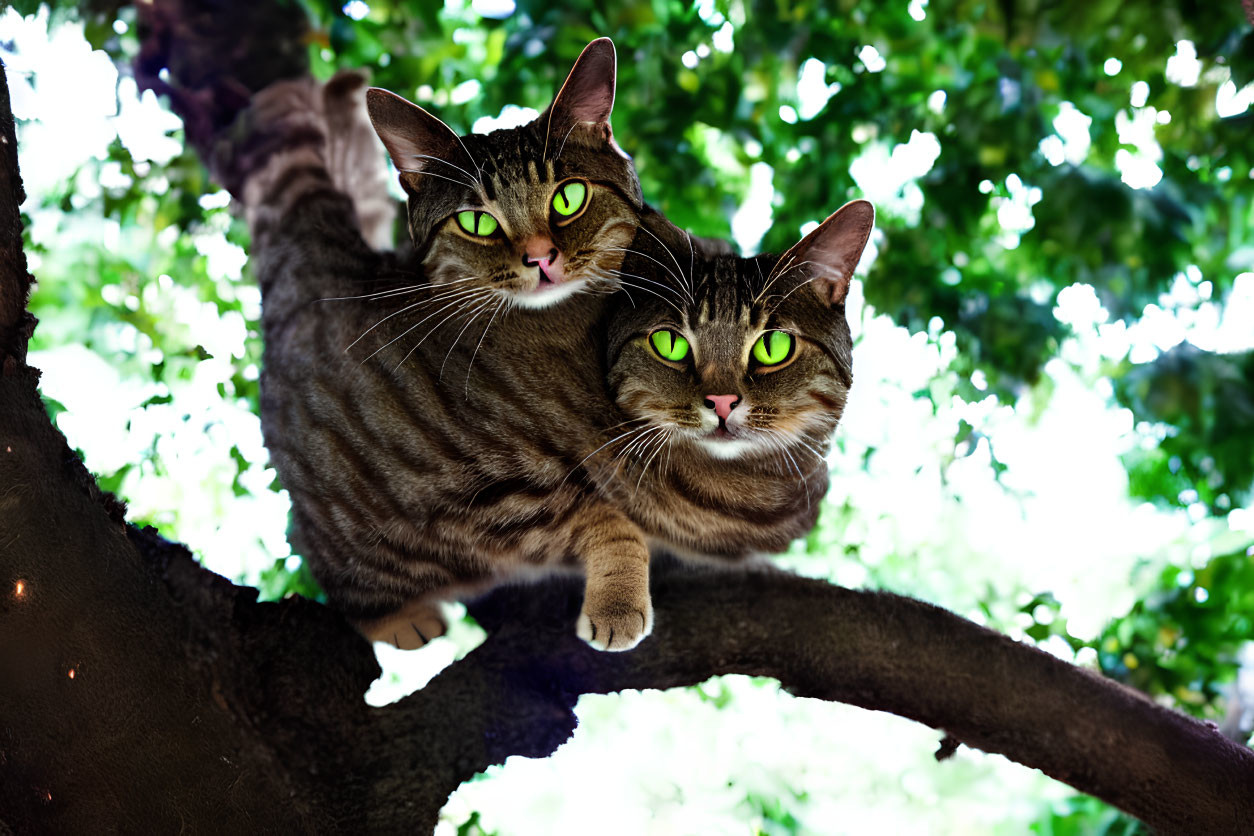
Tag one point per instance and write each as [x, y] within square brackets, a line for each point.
[436, 439]
[698, 486]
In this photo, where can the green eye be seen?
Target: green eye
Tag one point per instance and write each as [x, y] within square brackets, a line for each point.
[477, 223]
[669, 345]
[772, 348]
[569, 198]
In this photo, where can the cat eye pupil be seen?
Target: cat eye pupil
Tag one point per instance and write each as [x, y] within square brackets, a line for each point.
[772, 348]
[569, 198]
[669, 345]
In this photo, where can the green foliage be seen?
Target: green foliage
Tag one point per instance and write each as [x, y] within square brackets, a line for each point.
[1182, 639]
[773, 814]
[281, 580]
[1207, 401]
[1083, 816]
[471, 827]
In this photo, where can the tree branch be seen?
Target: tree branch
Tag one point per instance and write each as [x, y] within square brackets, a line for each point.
[887, 653]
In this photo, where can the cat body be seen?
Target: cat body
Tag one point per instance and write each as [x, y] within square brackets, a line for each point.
[444, 425]
[426, 418]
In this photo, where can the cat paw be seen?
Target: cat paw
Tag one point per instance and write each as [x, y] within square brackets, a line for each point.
[409, 628]
[619, 627]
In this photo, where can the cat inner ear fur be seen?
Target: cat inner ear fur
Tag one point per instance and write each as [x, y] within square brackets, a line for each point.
[829, 254]
[420, 144]
[586, 98]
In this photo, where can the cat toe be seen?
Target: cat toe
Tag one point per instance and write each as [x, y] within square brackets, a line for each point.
[615, 631]
[409, 628]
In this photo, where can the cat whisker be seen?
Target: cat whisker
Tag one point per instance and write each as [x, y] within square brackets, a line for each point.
[662, 285]
[782, 448]
[461, 306]
[662, 445]
[623, 424]
[795, 289]
[449, 164]
[640, 442]
[471, 186]
[630, 251]
[606, 444]
[561, 150]
[475, 315]
[777, 273]
[668, 252]
[473, 161]
[413, 288]
[626, 284]
[808, 447]
[462, 299]
[502, 303]
[434, 299]
[692, 259]
[396, 291]
[783, 440]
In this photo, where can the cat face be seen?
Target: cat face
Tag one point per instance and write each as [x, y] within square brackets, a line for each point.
[737, 357]
[535, 213]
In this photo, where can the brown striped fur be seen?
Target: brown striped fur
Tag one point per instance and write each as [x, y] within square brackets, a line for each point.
[751, 484]
[439, 438]
[421, 460]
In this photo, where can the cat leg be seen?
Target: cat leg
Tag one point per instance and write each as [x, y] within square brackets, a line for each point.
[616, 611]
[408, 628]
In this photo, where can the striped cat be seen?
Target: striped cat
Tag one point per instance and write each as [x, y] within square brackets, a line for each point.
[731, 375]
[433, 455]
[466, 437]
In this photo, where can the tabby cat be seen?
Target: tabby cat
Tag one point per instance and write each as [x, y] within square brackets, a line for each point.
[732, 374]
[455, 443]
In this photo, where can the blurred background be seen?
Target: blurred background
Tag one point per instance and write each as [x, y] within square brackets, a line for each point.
[1052, 425]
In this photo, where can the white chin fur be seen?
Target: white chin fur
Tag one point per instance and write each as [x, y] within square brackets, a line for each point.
[720, 449]
[535, 300]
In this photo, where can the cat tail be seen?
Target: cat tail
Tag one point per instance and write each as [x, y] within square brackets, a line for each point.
[281, 160]
[355, 157]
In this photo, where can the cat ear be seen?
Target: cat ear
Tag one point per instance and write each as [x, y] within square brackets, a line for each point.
[587, 96]
[829, 254]
[416, 140]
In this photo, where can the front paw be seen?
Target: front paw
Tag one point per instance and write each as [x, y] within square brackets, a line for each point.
[409, 628]
[615, 624]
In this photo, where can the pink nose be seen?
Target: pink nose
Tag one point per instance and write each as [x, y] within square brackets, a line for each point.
[539, 252]
[722, 404]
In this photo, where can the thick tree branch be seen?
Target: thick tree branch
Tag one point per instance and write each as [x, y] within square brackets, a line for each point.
[888, 653]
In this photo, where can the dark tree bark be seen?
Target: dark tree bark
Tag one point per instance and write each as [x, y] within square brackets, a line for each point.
[144, 693]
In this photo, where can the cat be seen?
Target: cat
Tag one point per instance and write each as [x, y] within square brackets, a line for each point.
[421, 467]
[731, 374]
[421, 459]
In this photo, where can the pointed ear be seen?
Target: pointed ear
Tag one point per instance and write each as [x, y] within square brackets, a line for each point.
[829, 254]
[416, 140]
[587, 96]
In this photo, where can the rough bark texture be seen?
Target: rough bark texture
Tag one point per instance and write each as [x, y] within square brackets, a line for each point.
[16, 325]
[145, 694]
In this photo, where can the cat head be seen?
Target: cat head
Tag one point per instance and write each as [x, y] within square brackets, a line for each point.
[737, 356]
[537, 212]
